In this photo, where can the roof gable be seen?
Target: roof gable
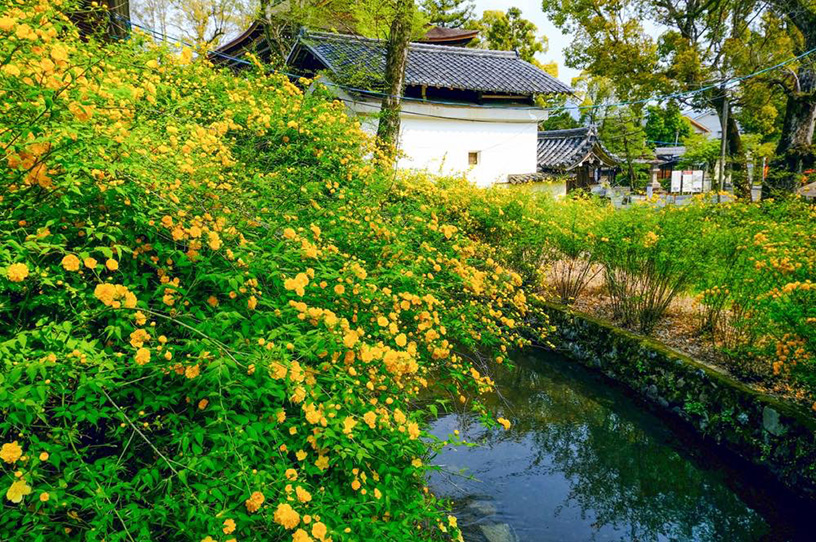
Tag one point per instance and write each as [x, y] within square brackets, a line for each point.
[562, 150]
[353, 58]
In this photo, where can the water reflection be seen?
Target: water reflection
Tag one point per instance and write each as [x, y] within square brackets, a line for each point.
[583, 462]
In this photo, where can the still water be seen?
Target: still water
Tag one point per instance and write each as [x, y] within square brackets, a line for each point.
[583, 461]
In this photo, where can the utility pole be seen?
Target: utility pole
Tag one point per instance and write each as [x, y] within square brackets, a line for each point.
[723, 143]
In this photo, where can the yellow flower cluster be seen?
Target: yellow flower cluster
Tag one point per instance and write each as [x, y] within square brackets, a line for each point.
[115, 295]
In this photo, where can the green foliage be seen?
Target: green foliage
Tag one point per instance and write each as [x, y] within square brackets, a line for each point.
[666, 125]
[448, 13]
[218, 307]
[509, 31]
[649, 257]
[700, 149]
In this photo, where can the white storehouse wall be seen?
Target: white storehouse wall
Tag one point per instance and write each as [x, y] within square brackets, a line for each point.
[439, 138]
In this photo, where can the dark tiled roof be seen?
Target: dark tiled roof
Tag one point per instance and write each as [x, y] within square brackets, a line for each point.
[562, 150]
[522, 178]
[353, 58]
[452, 36]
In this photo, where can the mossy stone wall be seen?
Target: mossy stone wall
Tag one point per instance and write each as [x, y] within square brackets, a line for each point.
[766, 431]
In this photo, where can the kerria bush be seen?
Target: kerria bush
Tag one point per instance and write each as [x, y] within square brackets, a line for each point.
[571, 244]
[217, 313]
[505, 218]
[649, 256]
[771, 304]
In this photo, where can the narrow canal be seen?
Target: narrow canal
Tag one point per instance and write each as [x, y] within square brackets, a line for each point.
[584, 461]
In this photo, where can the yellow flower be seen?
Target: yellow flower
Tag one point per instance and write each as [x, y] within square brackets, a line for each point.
[212, 301]
[504, 422]
[44, 496]
[138, 338]
[319, 530]
[11, 70]
[229, 526]
[350, 339]
[370, 418]
[302, 494]
[355, 485]
[90, 263]
[286, 516]
[322, 462]
[448, 230]
[17, 491]
[291, 475]
[192, 371]
[301, 536]
[277, 371]
[11, 452]
[348, 425]
[7, 23]
[111, 264]
[413, 431]
[203, 404]
[70, 263]
[339, 289]
[142, 356]
[115, 295]
[252, 302]
[213, 240]
[254, 502]
[401, 340]
[297, 284]
[17, 272]
[44, 456]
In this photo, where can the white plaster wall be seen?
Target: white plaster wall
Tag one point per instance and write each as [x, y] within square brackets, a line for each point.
[442, 146]
[438, 138]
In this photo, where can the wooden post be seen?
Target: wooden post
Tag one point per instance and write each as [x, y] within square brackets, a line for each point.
[723, 132]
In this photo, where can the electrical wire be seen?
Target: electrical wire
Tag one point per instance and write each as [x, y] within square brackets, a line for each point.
[722, 84]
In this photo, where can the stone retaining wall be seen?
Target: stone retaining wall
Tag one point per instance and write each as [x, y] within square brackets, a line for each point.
[775, 435]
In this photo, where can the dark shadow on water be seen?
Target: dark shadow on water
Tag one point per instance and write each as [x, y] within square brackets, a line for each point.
[584, 461]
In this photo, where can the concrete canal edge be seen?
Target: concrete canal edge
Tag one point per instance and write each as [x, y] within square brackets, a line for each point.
[777, 436]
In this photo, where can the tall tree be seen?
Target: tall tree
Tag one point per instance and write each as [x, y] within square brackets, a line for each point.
[448, 13]
[399, 36]
[698, 48]
[794, 152]
[666, 125]
[621, 128]
[203, 22]
[509, 31]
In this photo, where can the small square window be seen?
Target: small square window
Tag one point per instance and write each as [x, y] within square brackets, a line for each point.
[473, 158]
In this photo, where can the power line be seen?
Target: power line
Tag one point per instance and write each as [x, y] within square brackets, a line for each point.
[719, 85]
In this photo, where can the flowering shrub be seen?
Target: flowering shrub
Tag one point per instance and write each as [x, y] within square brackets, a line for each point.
[217, 311]
[752, 267]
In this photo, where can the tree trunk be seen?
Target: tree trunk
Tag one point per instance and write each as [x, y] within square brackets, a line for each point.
[396, 58]
[794, 152]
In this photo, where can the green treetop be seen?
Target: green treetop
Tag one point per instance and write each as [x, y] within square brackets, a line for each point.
[448, 13]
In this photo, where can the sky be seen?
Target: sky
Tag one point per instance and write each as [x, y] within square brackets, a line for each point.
[531, 10]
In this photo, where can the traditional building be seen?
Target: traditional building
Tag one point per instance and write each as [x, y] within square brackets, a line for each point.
[465, 110]
[449, 36]
[576, 156]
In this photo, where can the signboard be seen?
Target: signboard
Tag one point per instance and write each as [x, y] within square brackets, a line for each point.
[688, 181]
